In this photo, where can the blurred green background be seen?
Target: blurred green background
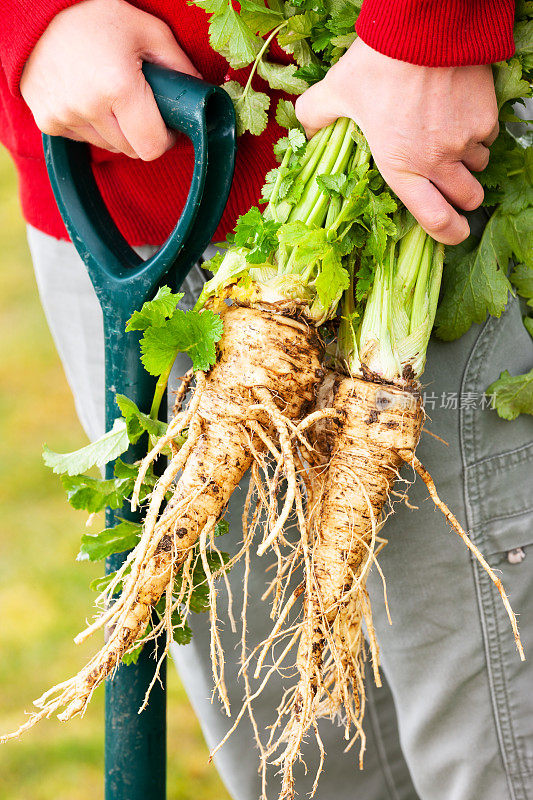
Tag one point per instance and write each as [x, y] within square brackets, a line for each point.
[44, 594]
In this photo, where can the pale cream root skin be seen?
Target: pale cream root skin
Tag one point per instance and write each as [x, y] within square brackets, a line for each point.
[265, 362]
[375, 423]
[377, 431]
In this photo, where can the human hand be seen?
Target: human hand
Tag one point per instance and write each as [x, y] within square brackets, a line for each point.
[427, 127]
[83, 79]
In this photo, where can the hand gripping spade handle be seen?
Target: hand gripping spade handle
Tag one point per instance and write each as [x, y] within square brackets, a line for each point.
[135, 748]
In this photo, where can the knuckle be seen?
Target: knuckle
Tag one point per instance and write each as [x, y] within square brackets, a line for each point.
[48, 123]
[161, 30]
[487, 124]
[90, 107]
[473, 198]
[437, 221]
[483, 161]
[117, 85]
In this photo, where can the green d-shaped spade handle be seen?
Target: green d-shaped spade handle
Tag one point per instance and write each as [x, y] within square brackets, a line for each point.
[122, 280]
[135, 749]
[204, 113]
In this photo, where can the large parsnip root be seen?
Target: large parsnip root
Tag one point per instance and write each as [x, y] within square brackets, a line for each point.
[379, 430]
[266, 372]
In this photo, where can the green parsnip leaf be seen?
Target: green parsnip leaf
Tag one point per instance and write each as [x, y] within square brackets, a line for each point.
[475, 282]
[229, 34]
[257, 234]
[286, 115]
[332, 280]
[192, 332]
[250, 108]
[508, 81]
[155, 312]
[97, 546]
[512, 396]
[137, 422]
[281, 77]
[522, 280]
[109, 446]
[259, 17]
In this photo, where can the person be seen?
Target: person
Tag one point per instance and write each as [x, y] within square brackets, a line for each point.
[453, 721]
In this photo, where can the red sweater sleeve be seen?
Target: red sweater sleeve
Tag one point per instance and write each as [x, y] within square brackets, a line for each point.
[21, 25]
[439, 33]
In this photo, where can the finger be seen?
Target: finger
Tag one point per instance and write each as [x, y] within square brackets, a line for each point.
[141, 123]
[459, 186]
[313, 112]
[109, 129]
[86, 133]
[476, 157]
[430, 208]
[159, 46]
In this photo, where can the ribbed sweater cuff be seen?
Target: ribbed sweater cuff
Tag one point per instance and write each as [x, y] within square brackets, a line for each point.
[439, 33]
[21, 25]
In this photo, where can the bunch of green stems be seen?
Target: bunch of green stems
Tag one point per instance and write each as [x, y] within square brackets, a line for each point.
[388, 333]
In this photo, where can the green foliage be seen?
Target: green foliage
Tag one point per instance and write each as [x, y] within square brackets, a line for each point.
[192, 332]
[250, 108]
[137, 422]
[522, 280]
[475, 282]
[257, 234]
[155, 312]
[97, 546]
[512, 396]
[96, 454]
[286, 115]
[229, 33]
[94, 494]
[281, 77]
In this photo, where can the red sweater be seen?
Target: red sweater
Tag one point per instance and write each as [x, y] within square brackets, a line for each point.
[145, 199]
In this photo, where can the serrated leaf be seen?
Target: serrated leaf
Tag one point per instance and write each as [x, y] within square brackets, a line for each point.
[257, 234]
[229, 34]
[523, 38]
[270, 180]
[312, 73]
[193, 332]
[96, 454]
[93, 495]
[474, 282]
[528, 324]
[259, 17]
[332, 280]
[517, 187]
[522, 280]
[512, 395]
[250, 108]
[155, 312]
[508, 82]
[97, 546]
[286, 115]
[137, 421]
[281, 77]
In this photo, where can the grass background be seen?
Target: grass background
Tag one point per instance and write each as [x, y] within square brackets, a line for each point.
[44, 595]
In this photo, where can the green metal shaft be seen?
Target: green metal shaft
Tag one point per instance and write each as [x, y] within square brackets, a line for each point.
[135, 744]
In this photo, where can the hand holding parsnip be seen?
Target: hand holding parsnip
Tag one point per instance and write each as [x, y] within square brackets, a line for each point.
[428, 128]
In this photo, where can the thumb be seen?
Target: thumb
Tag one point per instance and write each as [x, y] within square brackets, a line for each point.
[159, 46]
[315, 109]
